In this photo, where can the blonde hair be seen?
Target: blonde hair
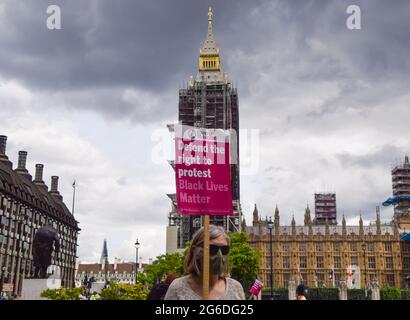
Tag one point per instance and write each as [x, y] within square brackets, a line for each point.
[194, 258]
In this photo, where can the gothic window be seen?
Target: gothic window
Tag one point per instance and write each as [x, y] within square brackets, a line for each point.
[389, 262]
[370, 247]
[337, 262]
[302, 262]
[354, 261]
[320, 278]
[319, 262]
[390, 280]
[406, 263]
[286, 277]
[387, 246]
[372, 262]
[286, 262]
[319, 247]
[302, 247]
[336, 246]
[285, 247]
[338, 277]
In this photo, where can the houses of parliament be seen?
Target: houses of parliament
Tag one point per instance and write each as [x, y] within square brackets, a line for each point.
[323, 254]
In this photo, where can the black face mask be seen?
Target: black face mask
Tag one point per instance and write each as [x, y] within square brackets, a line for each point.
[217, 263]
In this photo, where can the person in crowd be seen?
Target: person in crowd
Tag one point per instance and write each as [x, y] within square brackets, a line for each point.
[221, 286]
[301, 292]
[159, 290]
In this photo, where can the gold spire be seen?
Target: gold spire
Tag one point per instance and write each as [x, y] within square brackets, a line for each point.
[209, 59]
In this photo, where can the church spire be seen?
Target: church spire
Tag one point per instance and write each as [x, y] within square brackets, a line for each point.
[104, 254]
[209, 46]
[276, 220]
[361, 228]
[378, 223]
[243, 224]
[255, 214]
[308, 218]
[344, 230]
[293, 223]
[209, 59]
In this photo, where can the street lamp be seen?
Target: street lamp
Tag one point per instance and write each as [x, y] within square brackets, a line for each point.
[270, 227]
[364, 267]
[137, 245]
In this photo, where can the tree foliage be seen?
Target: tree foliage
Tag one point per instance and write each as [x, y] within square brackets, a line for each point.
[62, 294]
[405, 294]
[390, 293]
[359, 294]
[122, 291]
[244, 261]
[164, 265]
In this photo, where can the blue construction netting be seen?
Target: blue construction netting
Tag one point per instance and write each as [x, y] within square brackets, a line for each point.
[395, 199]
[406, 237]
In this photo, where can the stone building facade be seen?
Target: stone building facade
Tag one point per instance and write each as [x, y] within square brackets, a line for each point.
[25, 206]
[119, 271]
[322, 255]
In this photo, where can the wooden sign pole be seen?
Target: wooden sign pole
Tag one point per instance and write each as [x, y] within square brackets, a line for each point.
[205, 271]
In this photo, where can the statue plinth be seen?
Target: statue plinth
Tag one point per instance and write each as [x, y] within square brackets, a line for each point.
[32, 289]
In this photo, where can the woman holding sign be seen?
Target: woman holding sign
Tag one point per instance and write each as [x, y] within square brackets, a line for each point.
[221, 287]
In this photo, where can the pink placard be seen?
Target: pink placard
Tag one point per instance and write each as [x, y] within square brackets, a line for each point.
[202, 172]
[256, 287]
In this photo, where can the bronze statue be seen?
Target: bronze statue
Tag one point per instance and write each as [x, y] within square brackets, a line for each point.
[43, 242]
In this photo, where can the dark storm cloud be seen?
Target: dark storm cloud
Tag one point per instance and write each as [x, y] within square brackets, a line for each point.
[149, 44]
[383, 156]
[153, 46]
[104, 48]
[378, 49]
[316, 33]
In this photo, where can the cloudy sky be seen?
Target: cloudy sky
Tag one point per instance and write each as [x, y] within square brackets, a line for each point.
[91, 101]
